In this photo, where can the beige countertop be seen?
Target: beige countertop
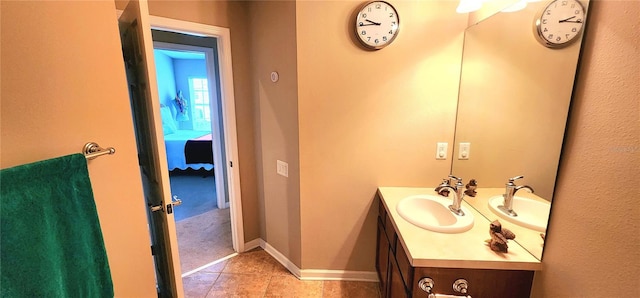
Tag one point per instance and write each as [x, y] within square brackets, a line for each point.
[425, 248]
[527, 238]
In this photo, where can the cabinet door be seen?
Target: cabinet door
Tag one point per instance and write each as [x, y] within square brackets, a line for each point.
[382, 260]
[396, 286]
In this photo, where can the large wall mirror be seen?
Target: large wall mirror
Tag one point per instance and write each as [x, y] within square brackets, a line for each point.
[513, 105]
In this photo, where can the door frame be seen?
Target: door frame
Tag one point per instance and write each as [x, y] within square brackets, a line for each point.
[223, 37]
[213, 109]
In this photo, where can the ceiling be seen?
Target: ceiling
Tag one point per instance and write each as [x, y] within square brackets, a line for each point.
[181, 54]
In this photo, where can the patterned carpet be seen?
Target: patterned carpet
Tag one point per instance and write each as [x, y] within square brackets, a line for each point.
[204, 238]
[198, 194]
[204, 231]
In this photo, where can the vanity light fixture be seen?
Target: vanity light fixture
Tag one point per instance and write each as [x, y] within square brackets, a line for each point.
[520, 5]
[467, 6]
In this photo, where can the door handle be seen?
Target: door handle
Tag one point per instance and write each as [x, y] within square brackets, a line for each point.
[155, 208]
[175, 201]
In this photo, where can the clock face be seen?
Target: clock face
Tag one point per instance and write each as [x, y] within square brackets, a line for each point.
[560, 23]
[377, 24]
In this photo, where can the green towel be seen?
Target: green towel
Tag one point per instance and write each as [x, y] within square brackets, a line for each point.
[50, 235]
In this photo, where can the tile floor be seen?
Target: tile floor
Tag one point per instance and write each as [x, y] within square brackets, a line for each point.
[256, 274]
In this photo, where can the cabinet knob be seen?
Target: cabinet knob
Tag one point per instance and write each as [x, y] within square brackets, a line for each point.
[426, 284]
[460, 285]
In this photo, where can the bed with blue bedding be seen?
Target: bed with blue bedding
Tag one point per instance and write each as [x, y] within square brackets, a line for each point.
[186, 149]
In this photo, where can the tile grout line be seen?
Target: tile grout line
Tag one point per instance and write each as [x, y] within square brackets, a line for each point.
[268, 283]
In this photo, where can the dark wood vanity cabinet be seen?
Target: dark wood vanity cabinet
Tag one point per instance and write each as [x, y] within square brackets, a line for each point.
[398, 279]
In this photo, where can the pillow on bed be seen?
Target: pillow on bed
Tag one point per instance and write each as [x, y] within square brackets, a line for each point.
[168, 124]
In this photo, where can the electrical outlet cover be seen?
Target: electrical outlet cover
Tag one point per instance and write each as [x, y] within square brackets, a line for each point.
[464, 151]
[441, 150]
[282, 168]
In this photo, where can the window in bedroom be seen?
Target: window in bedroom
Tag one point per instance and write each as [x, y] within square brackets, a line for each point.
[200, 111]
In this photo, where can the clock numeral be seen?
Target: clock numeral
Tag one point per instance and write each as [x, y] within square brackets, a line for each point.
[549, 12]
[361, 24]
[545, 29]
[364, 32]
[369, 9]
[368, 38]
[564, 3]
[384, 38]
[558, 38]
[574, 29]
[391, 14]
[544, 21]
[550, 36]
[391, 32]
[566, 35]
[578, 20]
[376, 41]
[364, 15]
[378, 6]
[577, 11]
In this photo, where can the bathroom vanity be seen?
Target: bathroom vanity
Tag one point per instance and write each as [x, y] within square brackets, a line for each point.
[406, 254]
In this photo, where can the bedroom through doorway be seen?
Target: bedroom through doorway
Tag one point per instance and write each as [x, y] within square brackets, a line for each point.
[188, 88]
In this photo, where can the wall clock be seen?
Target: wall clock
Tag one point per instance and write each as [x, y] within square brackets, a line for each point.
[560, 23]
[377, 24]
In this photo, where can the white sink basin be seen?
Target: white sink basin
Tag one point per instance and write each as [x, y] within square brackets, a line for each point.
[432, 213]
[531, 214]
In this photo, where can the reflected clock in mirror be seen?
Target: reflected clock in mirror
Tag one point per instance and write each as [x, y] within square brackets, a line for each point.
[560, 23]
[513, 104]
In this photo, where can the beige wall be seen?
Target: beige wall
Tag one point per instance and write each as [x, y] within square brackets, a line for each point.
[63, 84]
[232, 15]
[365, 119]
[273, 48]
[369, 119]
[593, 246]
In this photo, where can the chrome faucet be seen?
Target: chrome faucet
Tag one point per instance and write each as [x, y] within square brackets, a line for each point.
[458, 193]
[509, 192]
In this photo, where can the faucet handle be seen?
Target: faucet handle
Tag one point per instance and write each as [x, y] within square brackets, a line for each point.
[511, 180]
[459, 180]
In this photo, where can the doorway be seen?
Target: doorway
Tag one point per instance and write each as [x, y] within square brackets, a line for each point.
[135, 28]
[221, 226]
[187, 87]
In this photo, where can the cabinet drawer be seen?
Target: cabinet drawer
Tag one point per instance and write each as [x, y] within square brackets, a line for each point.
[382, 212]
[482, 282]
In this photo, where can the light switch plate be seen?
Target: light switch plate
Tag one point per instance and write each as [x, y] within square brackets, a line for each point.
[464, 151]
[282, 168]
[441, 150]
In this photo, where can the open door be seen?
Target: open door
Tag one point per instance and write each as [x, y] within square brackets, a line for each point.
[137, 47]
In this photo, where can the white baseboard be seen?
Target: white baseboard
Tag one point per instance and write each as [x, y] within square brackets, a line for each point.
[321, 274]
[312, 274]
[280, 258]
[252, 244]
